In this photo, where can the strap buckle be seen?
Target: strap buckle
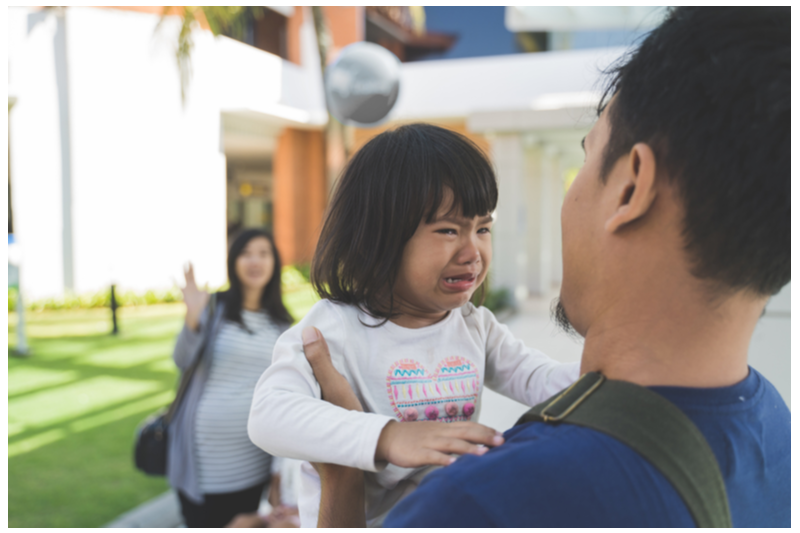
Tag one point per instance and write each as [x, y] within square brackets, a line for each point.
[582, 388]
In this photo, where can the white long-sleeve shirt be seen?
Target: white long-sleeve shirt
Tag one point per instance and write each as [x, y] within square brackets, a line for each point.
[435, 372]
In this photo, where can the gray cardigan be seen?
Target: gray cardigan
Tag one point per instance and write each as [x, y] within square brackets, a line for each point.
[181, 465]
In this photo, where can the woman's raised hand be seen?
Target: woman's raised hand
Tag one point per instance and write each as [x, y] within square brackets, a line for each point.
[194, 298]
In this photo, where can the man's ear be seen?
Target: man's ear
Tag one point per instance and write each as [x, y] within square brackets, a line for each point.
[639, 188]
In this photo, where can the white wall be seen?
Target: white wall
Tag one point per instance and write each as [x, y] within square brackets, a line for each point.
[35, 151]
[149, 176]
[147, 173]
[771, 346]
[458, 88]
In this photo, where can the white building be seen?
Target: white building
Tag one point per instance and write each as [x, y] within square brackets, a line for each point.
[114, 180]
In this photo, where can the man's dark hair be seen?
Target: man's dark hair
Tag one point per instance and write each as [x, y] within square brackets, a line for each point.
[271, 296]
[394, 182]
[710, 92]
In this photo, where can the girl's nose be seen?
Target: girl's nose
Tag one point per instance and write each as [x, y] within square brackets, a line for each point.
[469, 253]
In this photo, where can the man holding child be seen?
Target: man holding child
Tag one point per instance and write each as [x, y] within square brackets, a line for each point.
[676, 232]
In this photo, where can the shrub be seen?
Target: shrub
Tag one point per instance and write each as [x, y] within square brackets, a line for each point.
[497, 300]
[292, 278]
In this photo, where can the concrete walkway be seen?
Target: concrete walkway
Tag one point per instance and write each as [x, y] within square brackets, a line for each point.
[162, 511]
[531, 324]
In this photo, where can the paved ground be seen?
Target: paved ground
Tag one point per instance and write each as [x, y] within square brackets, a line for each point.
[531, 324]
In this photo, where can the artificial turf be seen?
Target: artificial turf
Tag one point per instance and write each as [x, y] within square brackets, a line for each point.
[74, 405]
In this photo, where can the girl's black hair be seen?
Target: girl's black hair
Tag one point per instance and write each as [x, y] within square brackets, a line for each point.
[271, 299]
[394, 182]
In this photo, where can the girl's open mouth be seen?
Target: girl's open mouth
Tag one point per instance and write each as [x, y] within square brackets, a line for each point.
[459, 283]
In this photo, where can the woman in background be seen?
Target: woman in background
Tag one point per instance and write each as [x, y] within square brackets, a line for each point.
[212, 464]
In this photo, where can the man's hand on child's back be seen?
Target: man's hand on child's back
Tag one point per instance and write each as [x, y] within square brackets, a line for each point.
[334, 387]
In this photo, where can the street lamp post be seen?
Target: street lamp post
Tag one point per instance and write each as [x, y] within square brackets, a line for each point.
[14, 260]
[114, 306]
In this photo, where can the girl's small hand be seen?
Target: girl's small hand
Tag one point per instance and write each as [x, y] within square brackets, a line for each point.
[194, 298]
[414, 444]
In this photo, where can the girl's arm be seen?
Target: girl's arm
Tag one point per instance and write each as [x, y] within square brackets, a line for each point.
[518, 372]
[288, 418]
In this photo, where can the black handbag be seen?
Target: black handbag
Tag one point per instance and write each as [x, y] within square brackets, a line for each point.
[150, 448]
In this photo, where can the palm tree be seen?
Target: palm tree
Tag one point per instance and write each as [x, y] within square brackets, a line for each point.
[222, 20]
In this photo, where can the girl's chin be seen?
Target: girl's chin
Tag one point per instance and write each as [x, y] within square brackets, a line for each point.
[459, 300]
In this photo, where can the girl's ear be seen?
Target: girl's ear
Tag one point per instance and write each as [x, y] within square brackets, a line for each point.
[638, 188]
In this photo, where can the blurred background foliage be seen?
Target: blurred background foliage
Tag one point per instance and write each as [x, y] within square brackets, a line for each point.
[293, 278]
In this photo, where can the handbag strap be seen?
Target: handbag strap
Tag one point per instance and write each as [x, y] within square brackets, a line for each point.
[186, 377]
[652, 426]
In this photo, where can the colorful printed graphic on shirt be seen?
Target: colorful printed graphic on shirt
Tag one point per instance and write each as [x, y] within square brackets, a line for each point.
[449, 395]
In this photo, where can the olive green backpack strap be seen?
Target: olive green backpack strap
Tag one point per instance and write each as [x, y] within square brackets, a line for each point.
[652, 426]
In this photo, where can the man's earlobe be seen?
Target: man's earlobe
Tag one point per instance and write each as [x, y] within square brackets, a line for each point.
[638, 191]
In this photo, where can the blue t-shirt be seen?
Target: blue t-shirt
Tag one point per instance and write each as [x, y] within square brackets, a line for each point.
[568, 476]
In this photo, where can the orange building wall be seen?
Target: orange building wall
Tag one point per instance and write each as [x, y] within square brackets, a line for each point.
[293, 35]
[346, 25]
[300, 193]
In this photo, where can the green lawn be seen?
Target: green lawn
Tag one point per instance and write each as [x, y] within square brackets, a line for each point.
[74, 404]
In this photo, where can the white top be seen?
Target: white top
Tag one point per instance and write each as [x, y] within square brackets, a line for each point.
[227, 460]
[437, 371]
[289, 470]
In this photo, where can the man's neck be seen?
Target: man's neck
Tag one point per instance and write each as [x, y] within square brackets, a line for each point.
[681, 342]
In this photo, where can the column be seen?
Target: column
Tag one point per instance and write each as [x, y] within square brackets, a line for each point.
[510, 258]
[300, 193]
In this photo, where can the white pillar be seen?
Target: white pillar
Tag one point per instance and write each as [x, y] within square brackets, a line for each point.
[539, 196]
[557, 199]
[510, 259]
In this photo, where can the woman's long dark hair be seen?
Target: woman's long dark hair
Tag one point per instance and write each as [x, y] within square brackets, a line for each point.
[271, 300]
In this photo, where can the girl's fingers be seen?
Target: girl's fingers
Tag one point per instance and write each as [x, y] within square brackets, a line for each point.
[460, 447]
[477, 433]
[433, 457]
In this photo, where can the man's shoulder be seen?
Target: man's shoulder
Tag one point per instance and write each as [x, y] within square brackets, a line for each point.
[554, 476]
